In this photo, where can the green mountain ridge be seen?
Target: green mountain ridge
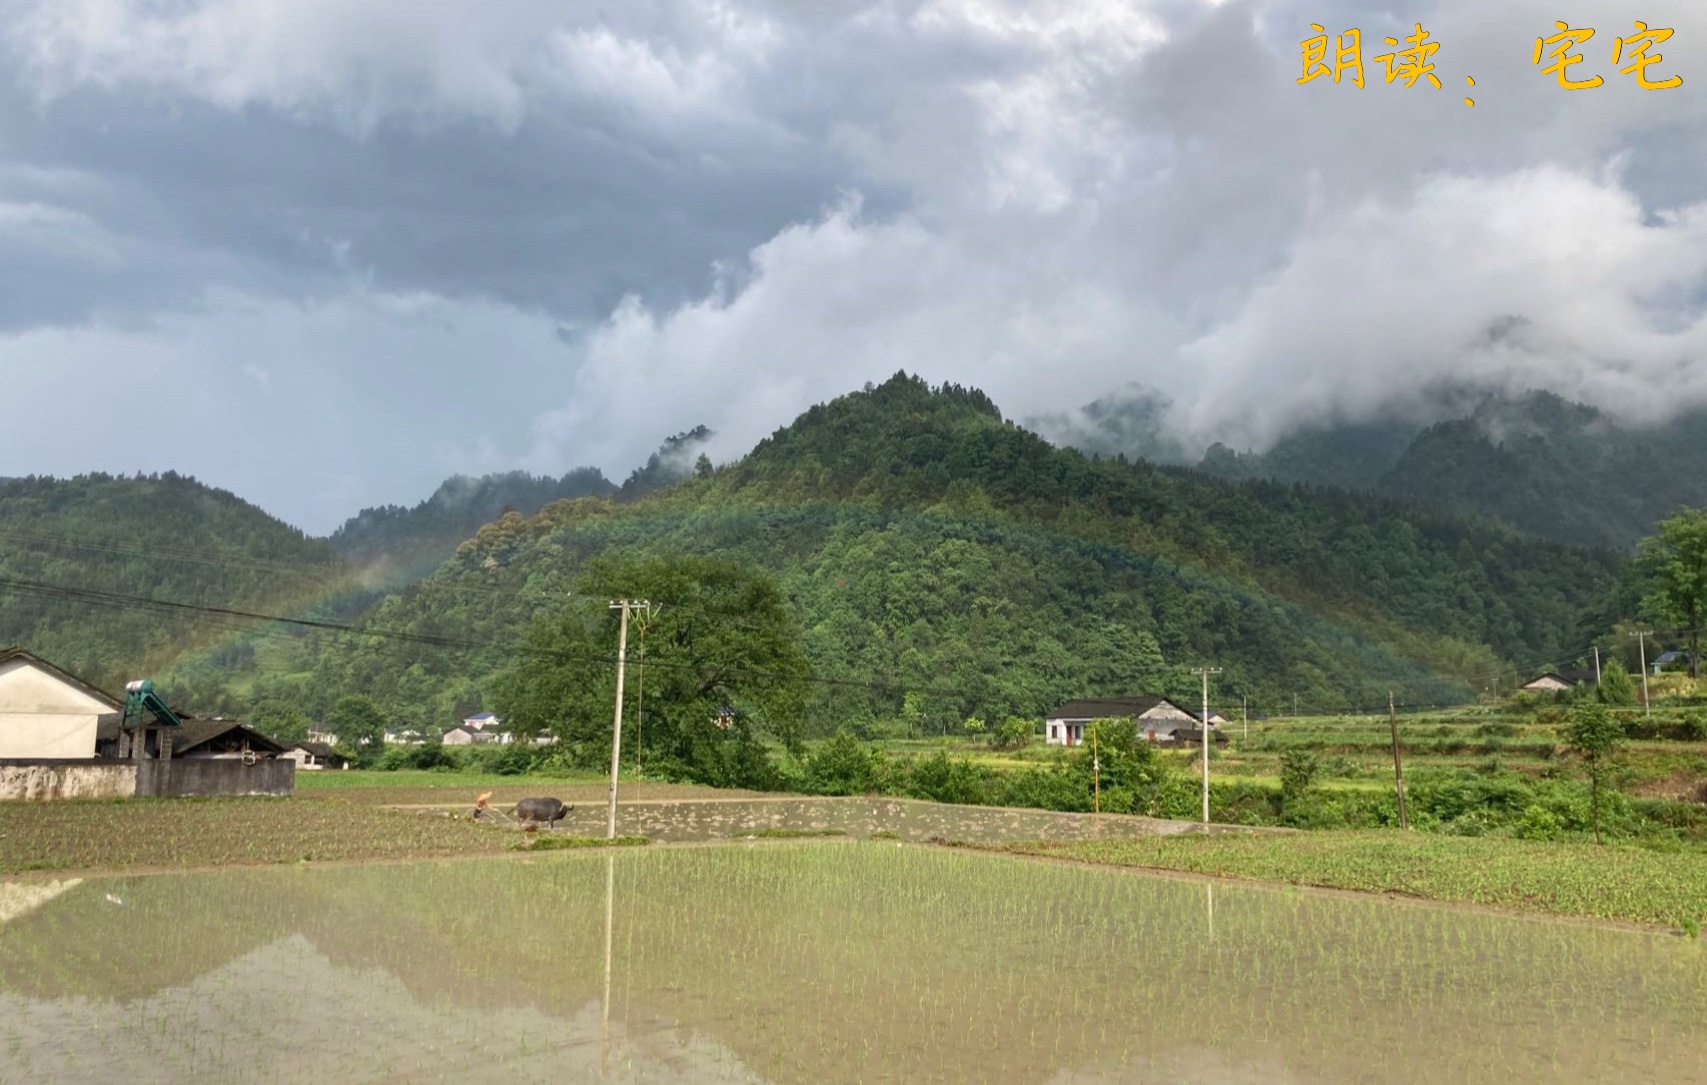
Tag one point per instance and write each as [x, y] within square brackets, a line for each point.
[927, 543]
[395, 545]
[163, 536]
[1538, 463]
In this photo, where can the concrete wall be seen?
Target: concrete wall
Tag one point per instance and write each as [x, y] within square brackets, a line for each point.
[78, 779]
[181, 778]
[43, 716]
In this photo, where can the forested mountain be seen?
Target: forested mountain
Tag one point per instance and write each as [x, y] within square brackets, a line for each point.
[162, 536]
[1545, 466]
[394, 545]
[925, 541]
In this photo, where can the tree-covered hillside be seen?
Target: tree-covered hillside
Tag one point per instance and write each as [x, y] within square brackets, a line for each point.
[928, 545]
[1538, 463]
[161, 536]
[394, 545]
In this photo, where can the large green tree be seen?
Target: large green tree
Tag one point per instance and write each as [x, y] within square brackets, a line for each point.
[1675, 563]
[722, 665]
[360, 727]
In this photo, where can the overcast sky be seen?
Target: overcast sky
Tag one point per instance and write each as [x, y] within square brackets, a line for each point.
[326, 252]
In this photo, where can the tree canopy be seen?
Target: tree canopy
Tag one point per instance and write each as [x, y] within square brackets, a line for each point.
[713, 665]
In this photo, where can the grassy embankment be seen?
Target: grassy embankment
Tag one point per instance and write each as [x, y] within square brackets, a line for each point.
[1618, 883]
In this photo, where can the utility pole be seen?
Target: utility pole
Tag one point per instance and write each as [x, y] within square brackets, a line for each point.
[624, 605]
[1096, 773]
[1597, 664]
[640, 696]
[1206, 672]
[1642, 636]
[1398, 768]
[1245, 713]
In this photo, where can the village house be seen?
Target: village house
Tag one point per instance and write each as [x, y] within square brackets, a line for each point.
[62, 738]
[46, 712]
[1157, 718]
[1669, 659]
[466, 736]
[315, 756]
[1555, 681]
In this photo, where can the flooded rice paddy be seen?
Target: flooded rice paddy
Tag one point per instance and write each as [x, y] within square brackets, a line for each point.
[814, 962]
[859, 817]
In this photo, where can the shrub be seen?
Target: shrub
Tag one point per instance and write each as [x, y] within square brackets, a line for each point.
[942, 779]
[1298, 770]
[843, 766]
[1539, 823]
[1012, 732]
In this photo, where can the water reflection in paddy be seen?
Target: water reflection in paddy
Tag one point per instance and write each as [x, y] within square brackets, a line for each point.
[798, 962]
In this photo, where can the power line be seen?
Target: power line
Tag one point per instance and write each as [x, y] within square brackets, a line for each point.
[119, 600]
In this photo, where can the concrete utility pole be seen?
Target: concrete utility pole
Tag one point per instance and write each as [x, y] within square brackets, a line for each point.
[624, 605]
[1642, 636]
[1398, 769]
[640, 696]
[1245, 713]
[1206, 672]
[1597, 664]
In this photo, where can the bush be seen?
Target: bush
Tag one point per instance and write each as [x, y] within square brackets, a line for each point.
[1051, 788]
[1013, 732]
[1539, 823]
[1298, 770]
[1694, 728]
[1616, 686]
[843, 766]
[942, 779]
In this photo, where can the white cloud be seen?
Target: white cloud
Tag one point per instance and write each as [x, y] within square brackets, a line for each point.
[362, 62]
[1059, 197]
[1541, 278]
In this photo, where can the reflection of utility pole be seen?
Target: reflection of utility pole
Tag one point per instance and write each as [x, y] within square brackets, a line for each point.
[624, 605]
[610, 900]
[1206, 672]
[1642, 636]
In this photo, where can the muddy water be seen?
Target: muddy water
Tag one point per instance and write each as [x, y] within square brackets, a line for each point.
[805, 962]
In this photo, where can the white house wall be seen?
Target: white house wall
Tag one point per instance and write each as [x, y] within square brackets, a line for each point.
[43, 716]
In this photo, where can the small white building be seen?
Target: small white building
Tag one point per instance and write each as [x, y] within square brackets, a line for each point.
[315, 756]
[46, 712]
[1156, 717]
[466, 736]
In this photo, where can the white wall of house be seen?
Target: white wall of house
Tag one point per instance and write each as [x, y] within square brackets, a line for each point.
[42, 715]
[456, 736]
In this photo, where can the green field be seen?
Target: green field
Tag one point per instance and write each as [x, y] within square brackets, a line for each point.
[1619, 883]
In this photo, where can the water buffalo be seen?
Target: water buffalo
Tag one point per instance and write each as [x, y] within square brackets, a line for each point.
[545, 812]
